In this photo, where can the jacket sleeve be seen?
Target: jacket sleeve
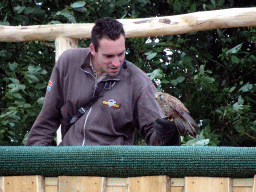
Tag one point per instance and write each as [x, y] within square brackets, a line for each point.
[44, 128]
[148, 111]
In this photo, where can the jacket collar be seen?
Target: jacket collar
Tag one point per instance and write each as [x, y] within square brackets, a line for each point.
[86, 67]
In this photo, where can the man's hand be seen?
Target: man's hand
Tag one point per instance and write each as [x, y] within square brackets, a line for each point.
[167, 132]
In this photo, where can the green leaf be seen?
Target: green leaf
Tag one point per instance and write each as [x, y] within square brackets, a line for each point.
[14, 81]
[237, 107]
[176, 6]
[27, 105]
[17, 95]
[5, 23]
[247, 87]
[156, 74]
[13, 65]
[2, 53]
[221, 2]
[165, 81]
[234, 59]
[219, 111]
[252, 58]
[40, 86]
[180, 79]
[234, 49]
[19, 9]
[40, 101]
[54, 22]
[81, 9]
[151, 56]
[31, 78]
[68, 15]
[29, 10]
[193, 7]
[174, 82]
[240, 100]
[232, 89]
[78, 4]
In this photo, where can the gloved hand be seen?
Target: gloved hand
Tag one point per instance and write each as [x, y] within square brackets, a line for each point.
[167, 132]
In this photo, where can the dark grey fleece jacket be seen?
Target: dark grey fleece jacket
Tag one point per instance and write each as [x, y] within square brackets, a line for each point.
[111, 120]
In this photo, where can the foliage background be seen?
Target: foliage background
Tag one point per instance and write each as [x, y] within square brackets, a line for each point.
[212, 72]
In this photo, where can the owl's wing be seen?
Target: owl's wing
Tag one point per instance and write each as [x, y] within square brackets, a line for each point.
[185, 126]
[184, 122]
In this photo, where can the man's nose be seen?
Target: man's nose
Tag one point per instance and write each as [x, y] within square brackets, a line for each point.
[116, 62]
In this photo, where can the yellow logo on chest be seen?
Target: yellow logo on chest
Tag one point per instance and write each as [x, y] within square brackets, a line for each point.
[111, 103]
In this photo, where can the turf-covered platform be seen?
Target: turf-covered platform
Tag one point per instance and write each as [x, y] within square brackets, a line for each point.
[129, 161]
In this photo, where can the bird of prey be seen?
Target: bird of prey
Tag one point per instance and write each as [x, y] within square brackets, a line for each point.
[174, 108]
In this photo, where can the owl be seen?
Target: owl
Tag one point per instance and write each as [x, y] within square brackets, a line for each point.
[174, 108]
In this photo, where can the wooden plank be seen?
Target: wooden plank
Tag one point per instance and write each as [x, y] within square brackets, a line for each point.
[209, 184]
[1, 184]
[143, 27]
[254, 184]
[149, 184]
[242, 189]
[177, 184]
[61, 45]
[51, 184]
[33, 183]
[81, 184]
[243, 182]
[116, 184]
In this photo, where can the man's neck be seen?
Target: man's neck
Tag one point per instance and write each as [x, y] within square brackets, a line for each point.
[96, 69]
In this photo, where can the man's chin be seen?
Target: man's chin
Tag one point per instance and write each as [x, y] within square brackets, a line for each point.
[113, 73]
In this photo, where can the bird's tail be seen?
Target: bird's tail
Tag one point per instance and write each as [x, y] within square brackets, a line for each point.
[185, 126]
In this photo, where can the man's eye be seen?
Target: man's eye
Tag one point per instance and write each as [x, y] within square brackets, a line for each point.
[109, 56]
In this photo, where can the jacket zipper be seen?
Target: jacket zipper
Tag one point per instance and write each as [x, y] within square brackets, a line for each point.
[94, 89]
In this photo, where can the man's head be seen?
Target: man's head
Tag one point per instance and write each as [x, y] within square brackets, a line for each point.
[108, 28]
[107, 47]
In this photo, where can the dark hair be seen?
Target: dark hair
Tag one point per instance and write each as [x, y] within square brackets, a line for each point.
[108, 28]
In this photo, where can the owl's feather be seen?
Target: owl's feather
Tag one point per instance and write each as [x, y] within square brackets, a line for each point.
[174, 108]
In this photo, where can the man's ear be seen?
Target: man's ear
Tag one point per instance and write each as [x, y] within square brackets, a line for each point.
[92, 49]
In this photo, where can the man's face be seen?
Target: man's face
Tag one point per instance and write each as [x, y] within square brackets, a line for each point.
[109, 57]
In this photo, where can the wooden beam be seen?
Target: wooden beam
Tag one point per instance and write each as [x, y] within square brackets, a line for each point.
[33, 183]
[61, 45]
[80, 183]
[144, 27]
[209, 184]
[150, 184]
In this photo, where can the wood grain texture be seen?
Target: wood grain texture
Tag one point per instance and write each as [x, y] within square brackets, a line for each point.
[144, 27]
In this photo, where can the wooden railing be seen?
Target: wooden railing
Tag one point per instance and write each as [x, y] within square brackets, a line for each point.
[65, 37]
[132, 184]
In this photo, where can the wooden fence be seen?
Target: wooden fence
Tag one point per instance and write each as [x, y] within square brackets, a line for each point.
[65, 37]
[132, 184]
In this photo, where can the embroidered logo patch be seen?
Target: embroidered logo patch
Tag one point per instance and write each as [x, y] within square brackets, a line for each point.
[111, 103]
[49, 87]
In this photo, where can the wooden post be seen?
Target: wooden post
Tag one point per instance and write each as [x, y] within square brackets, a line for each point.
[254, 184]
[33, 183]
[80, 183]
[209, 184]
[61, 45]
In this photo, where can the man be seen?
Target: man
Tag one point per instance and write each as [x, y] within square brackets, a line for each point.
[126, 97]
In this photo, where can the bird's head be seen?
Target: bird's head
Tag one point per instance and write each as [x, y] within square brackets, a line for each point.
[160, 96]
